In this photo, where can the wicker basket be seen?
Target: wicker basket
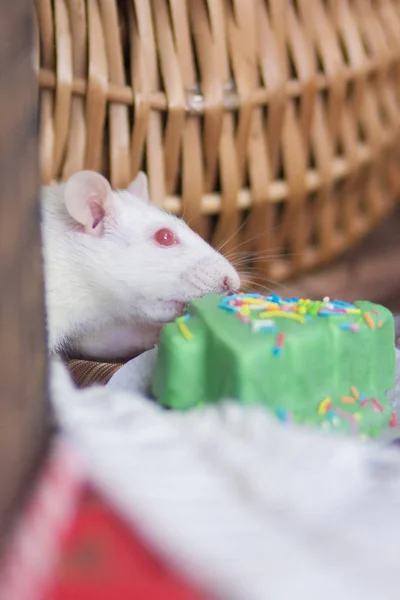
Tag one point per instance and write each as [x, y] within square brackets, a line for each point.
[271, 125]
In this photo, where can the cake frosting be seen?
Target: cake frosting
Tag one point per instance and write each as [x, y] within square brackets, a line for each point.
[323, 363]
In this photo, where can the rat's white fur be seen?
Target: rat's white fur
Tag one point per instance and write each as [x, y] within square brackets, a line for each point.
[108, 295]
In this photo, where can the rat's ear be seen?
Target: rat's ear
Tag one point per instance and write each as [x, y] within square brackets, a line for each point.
[88, 198]
[139, 186]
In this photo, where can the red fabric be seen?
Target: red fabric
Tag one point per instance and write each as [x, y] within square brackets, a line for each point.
[103, 560]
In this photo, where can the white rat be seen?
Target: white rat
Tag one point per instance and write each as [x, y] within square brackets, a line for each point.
[117, 268]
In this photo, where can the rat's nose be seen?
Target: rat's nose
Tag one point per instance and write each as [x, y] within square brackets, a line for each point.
[231, 285]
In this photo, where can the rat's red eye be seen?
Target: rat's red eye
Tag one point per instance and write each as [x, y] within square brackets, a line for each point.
[165, 237]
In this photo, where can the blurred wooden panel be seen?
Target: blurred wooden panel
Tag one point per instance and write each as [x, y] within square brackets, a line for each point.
[22, 325]
[370, 271]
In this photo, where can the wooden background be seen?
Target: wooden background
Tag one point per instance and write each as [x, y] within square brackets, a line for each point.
[22, 328]
[371, 270]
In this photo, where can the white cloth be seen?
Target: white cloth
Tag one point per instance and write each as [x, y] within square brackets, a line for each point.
[250, 508]
[135, 375]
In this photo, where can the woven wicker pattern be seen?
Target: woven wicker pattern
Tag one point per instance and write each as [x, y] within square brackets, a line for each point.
[85, 373]
[273, 124]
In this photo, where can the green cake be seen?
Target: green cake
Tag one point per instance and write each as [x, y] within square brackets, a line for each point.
[323, 363]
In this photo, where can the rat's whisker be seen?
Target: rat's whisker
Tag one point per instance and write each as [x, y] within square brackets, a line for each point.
[252, 259]
[260, 282]
[252, 239]
[267, 252]
[193, 218]
[219, 248]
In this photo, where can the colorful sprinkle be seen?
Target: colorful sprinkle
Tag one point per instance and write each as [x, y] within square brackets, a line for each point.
[349, 326]
[183, 328]
[375, 312]
[355, 392]
[251, 295]
[324, 406]
[280, 339]
[251, 300]
[258, 307]
[344, 304]
[279, 342]
[377, 405]
[281, 414]
[369, 321]
[274, 313]
[228, 307]
[393, 420]
[263, 325]
[331, 415]
[284, 415]
[347, 399]
[251, 309]
[243, 318]
[380, 324]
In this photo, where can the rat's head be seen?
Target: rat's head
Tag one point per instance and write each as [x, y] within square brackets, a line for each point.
[142, 261]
